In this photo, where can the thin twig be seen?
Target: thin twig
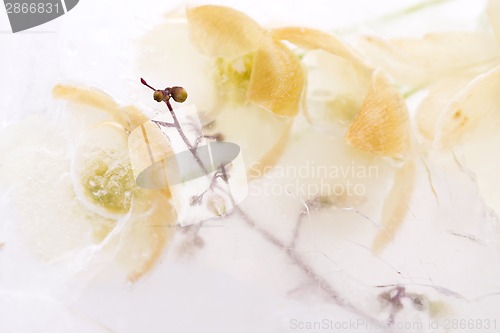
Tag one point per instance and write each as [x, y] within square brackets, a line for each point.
[307, 270]
[291, 252]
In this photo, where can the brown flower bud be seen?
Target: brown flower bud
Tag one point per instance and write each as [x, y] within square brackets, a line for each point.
[159, 95]
[179, 94]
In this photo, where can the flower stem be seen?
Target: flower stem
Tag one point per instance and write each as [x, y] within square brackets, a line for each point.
[291, 252]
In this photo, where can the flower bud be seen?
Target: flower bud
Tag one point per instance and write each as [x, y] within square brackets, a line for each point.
[159, 96]
[179, 94]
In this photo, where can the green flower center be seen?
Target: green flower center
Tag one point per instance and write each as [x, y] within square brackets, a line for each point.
[109, 182]
[233, 77]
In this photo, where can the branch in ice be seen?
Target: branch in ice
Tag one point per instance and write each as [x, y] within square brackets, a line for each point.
[398, 297]
[221, 173]
[178, 94]
[306, 269]
[315, 204]
[163, 123]
[165, 96]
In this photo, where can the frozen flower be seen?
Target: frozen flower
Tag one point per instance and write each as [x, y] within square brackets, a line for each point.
[256, 67]
[460, 72]
[74, 192]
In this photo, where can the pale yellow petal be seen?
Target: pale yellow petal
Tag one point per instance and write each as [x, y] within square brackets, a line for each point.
[432, 107]
[395, 206]
[134, 116]
[382, 125]
[277, 79]
[480, 155]
[149, 148]
[167, 58]
[128, 117]
[147, 233]
[52, 223]
[269, 158]
[469, 126]
[474, 108]
[261, 135]
[220, 31]
[335, 89]
[493, 11]
[419, 61]
[342, 74]
[337, 77]
[311, 39]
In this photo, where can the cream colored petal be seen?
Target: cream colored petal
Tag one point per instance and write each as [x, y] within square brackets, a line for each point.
[147, 146]
[168, 59]
[469, 126]
[480, 155]
[135, 117]
[335, 89]
[220, 31]
[337, 78]
[311, 39]
[91, 97]
[261, 135]
[395, 206]
[143, 240]
[128, 117]
[419, 61]
[277, 79]
[382, 125]
[432, 107]
[35, 167]
[493, 11]
[269, 158]
[474, 109]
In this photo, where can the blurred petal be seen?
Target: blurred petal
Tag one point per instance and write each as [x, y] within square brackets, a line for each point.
[469, 125]
[419, 61]
[493, 11]
[311, 39]
[262, 135]
[435, 103]
[395, 206]
[148, 146]
[277, 79]
[382, 125]
[147, 232]
[168, 59]
[35, 163]
[477, 104]
[269, 158]
[335, 89]
[337, 78]
[220, 31]
[128, 117]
